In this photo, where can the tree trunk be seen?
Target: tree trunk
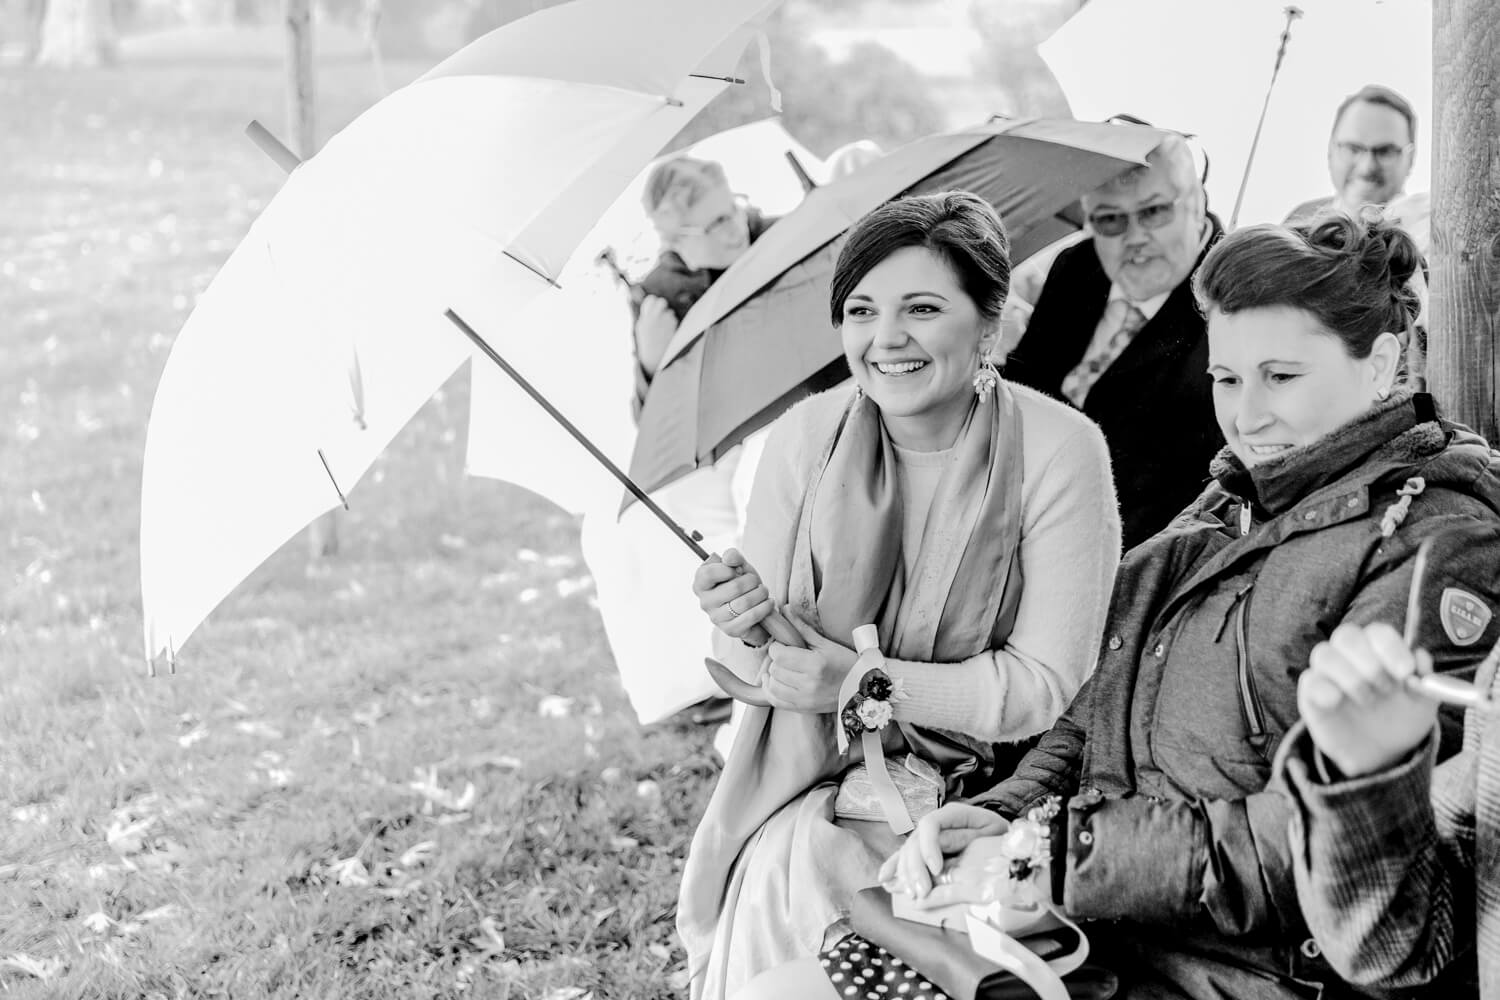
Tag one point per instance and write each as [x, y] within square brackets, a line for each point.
[301, 103]
[1462, 364]
[76, 33]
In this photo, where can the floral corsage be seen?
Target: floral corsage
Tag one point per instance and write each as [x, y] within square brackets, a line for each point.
[1026, 848]
[872, 707]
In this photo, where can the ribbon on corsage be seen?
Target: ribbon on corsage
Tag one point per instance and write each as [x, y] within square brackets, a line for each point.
[867, 704]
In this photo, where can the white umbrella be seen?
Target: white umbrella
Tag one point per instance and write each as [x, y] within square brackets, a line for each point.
[325, 331]
[573, 342]
[1202, 66]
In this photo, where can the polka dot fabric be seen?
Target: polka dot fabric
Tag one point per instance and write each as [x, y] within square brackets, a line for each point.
[860, 970]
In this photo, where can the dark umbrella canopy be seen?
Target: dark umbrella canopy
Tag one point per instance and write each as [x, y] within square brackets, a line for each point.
[760, 339]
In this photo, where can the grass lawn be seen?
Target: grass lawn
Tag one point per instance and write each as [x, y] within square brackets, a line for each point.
[408, 771]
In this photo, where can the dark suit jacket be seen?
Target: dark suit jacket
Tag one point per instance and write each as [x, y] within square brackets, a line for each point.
[1154, 404]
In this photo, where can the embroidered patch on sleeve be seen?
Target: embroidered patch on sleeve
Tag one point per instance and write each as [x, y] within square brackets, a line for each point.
[1464, 616]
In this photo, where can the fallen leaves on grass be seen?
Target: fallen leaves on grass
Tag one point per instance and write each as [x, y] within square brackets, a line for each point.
[428, 787]
[349, 871]
[255, 727]
[418, 854]
[39, 968]
[489, 938]
[128, 837]
[194, 735]
[554, 706]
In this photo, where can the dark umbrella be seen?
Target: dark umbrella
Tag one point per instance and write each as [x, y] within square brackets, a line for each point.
[760, 339]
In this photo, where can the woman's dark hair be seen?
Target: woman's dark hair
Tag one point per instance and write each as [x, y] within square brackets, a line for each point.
[960, 227]
[1352, 274]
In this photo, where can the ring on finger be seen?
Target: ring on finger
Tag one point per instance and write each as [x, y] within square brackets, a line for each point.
[944, 878]
[733, 613]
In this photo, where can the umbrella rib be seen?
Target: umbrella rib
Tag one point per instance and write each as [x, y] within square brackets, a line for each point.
[533, 270]
[342, 499]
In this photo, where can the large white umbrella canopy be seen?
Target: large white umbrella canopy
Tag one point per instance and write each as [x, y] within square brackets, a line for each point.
[573, 343]
[1202, 66]
[324, 332]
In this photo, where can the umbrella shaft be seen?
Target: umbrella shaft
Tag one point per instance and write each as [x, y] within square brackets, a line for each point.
[578, 435]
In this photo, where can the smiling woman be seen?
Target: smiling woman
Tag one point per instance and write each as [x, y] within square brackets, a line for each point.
[1305, 329]
[973, 523]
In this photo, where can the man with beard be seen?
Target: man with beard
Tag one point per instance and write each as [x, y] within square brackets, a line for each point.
[1370, 152]
[1116, 333]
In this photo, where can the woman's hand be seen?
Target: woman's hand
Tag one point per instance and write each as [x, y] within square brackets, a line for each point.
[940, 834]
[731, 593]
[807, 680]
[1359, 713]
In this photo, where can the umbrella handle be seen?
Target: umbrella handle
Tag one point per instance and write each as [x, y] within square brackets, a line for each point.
[774, 626]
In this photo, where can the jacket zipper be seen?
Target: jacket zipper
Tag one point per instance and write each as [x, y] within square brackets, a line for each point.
[1239, 613]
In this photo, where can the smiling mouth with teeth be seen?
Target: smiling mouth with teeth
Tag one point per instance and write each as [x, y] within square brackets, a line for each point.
[900, 367]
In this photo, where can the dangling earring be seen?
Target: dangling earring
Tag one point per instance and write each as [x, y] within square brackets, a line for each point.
[986, 378]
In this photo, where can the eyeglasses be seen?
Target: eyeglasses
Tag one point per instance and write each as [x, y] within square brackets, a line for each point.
[1148, 217]
[720, 227]
[1386, 153]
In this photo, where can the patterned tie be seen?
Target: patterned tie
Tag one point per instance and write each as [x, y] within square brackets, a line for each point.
[1126, 320]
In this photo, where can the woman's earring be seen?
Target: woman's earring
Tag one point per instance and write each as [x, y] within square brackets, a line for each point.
[1382, 393]
[985, 379]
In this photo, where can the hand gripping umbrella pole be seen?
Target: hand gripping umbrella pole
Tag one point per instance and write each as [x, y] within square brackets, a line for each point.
[776, 626]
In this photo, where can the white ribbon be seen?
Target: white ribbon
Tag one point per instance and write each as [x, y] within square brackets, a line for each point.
[988, 938]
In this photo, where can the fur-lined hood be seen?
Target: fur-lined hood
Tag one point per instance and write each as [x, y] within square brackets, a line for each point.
[1396, 440]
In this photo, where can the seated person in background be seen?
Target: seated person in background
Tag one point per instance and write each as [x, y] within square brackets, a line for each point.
[1115, 333]
[1397, 861]
[704, 228]
[972, 522]
[656, 632]
[1370, 152]
[1171, 840]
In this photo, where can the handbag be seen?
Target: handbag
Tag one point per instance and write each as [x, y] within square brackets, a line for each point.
[947, 955]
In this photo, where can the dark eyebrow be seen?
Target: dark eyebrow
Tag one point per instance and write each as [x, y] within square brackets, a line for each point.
[917, 295]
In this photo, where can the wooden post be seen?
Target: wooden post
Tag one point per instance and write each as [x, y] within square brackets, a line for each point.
[301, 103]
[1463, 365]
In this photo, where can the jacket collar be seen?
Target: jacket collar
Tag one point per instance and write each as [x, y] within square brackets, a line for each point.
[1279, 483]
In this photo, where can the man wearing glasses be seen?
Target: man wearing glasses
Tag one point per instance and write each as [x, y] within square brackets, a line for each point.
[704, 228]
[1116, 333]
[1370, 152]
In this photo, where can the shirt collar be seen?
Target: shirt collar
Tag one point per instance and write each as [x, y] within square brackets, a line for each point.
[1149, 308]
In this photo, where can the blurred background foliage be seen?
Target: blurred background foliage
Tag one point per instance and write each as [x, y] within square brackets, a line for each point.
[887, 70]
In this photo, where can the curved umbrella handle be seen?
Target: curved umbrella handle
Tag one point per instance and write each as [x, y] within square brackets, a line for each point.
[775, 626]
[730, 683]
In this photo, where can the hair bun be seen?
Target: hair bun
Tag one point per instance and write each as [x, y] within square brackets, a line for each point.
[1397, 249]
[1380, 249]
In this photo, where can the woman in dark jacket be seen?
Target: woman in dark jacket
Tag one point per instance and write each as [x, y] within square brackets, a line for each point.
[1331, 478]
